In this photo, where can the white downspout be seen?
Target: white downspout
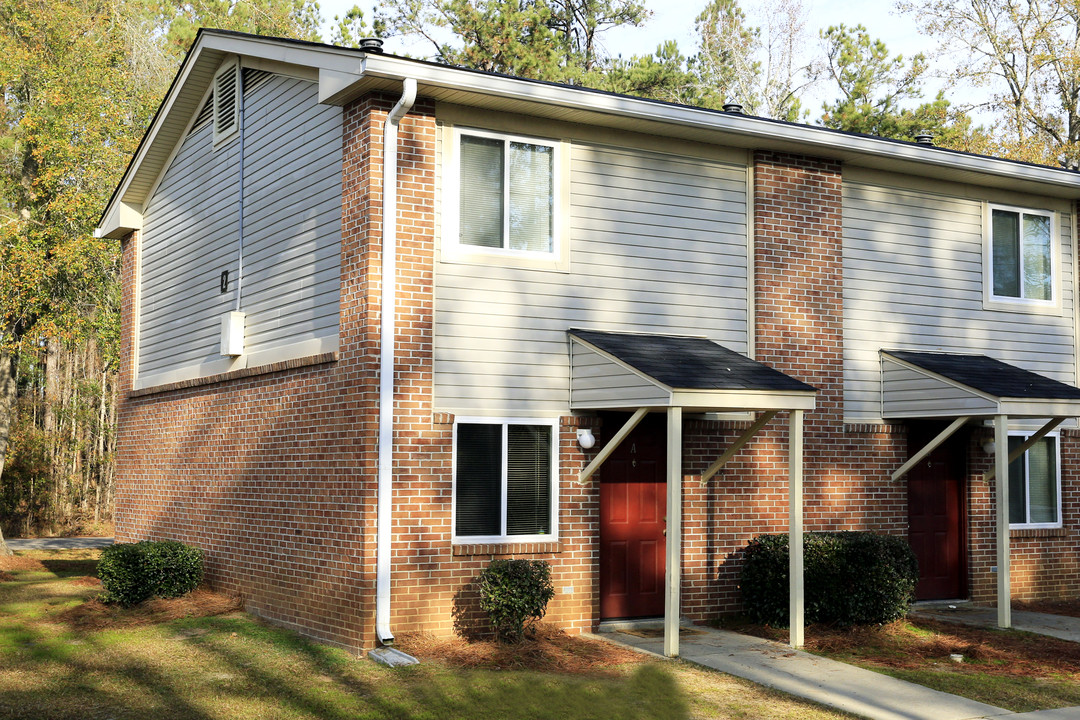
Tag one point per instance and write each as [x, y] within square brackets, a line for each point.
[387, 361]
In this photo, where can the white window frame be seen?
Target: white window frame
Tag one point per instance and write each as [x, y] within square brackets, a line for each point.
[1027, 486]
[222, 137]
[455, 250]
[1021, 304]
[503, 538]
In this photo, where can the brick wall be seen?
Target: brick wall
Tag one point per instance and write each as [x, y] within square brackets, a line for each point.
[275, 472]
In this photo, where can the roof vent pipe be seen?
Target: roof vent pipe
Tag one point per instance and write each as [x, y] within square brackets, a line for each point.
[733, 108]
[372, 45]
[925, 138]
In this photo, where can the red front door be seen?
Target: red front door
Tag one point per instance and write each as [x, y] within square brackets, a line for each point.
[936, 517]
[633, 509]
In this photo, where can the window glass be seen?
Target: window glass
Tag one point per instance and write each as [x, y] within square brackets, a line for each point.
[479, 480]
[507, 194]
[1033, 483]
[1022, 255]
[481, 191]
[1006, 254]
[528, 480]
[490, 478]
[1037, 248]
[531, 198]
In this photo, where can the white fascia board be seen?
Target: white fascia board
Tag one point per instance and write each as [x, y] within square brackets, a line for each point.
[749, 400]
[121, 220]
[1048, 408]
[764, 132]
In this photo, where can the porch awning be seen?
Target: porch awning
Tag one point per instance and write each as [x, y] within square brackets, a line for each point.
[625, 371]
[938, 384]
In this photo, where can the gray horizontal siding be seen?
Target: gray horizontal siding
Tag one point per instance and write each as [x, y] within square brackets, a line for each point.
[913, 279]
[292, 234]
[657, 244]
[598, 382]
[908, 393]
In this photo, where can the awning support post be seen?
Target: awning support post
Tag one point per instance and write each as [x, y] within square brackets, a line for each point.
[1001, 461]
[1024, 446]
[930, 447]
[737, 445]
[795, 529]
[673, 570]
[612, 444]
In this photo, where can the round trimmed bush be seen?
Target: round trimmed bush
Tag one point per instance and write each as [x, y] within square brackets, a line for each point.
[850, 578]
[515, 594]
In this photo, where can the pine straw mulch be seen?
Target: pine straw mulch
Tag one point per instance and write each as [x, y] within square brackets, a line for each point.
[21, 563]
[96, 615]
[547, 649]
[991, 652]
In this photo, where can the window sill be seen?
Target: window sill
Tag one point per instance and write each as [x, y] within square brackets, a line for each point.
[1037, 532]
[509, 548]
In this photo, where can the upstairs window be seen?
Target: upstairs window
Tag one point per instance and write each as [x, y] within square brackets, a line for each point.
[226, 102]
[1034, 485]
[506, 193]
[1022, 256]
[504, 481]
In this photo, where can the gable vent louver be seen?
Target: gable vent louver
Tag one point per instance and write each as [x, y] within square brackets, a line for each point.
[226, 103]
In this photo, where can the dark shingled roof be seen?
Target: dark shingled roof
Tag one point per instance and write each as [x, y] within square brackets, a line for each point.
[990, 376]
[685, 363]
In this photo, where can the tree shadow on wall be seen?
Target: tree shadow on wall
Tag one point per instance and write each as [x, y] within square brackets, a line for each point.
[470, 622]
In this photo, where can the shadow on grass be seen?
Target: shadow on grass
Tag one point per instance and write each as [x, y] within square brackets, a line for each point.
[233, 666]
[71, 568]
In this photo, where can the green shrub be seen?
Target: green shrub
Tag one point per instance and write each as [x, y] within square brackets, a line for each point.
[133, 572]
[515, 593]
[849, 578]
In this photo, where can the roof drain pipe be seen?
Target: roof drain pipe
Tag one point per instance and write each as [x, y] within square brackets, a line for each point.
[387, 361]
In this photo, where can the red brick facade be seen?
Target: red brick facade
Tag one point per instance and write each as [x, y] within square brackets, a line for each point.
[274, 473]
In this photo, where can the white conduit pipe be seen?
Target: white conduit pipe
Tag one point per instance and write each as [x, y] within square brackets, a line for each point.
[387, 359]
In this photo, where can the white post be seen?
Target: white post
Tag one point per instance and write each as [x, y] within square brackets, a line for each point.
[1001, 462]
[795, 529]
[673, 569]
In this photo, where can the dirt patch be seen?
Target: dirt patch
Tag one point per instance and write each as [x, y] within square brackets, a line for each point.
[96, 615]
[548, 650]
[905, 645]
[19, 562]
[85, 581]
[1070, 608]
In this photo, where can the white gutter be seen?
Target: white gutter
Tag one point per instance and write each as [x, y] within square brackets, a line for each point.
[387, 361]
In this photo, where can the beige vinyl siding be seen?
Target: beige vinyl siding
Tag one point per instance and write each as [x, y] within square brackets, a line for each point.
[913, 394]
[913, 280]
[596, 379]
[292, 234]
[657, 244]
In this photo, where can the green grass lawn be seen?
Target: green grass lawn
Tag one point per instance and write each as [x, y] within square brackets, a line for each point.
[232, 666]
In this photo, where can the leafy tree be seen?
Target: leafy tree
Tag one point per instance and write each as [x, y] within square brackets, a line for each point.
[725, 66]
[1028, 53]
[874, 87]
[351, 28]
[663, 75]
[554, 40]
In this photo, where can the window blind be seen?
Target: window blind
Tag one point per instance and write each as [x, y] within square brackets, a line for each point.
[532, 201]
[528, 480]
[481, 201]
[478, 480]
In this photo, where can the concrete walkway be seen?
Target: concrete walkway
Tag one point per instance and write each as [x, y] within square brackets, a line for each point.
[1059, 626]
[828, 682]
[71, 543]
